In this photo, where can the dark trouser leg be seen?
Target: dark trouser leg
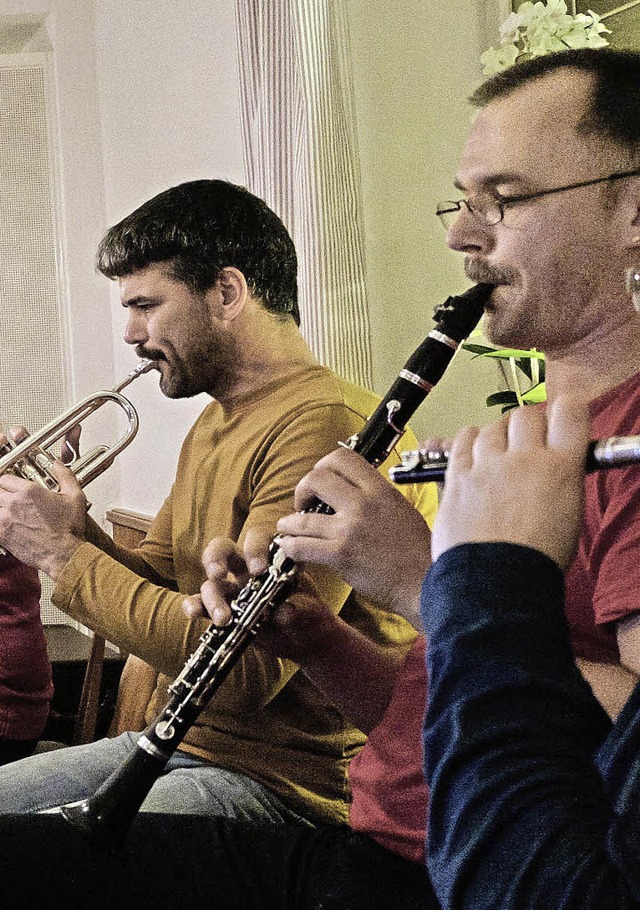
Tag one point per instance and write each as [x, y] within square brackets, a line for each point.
[190, 861]
[350, 871]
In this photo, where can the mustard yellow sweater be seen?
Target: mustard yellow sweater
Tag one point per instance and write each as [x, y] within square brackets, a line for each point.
[238, 469]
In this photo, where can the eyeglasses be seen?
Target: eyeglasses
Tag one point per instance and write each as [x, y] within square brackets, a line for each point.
[490, 209]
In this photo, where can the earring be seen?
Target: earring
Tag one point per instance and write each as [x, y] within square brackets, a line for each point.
[632, 276]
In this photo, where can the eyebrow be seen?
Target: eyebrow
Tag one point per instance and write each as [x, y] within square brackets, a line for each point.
[138, 299]
[494, 180]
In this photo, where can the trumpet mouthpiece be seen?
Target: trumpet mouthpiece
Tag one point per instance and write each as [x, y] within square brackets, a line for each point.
[143, 366]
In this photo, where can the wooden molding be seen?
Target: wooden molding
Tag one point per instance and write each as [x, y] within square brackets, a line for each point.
[125, 518]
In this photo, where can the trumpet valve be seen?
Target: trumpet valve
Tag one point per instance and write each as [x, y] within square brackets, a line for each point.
[35, 466]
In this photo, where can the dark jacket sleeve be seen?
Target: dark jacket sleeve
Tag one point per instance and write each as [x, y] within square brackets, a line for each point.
[533, 795]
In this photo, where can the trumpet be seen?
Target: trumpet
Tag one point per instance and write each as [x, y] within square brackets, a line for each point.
[32, 458]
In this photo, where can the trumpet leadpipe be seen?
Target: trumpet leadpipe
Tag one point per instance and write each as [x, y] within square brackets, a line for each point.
[32, 459]
[423, 465]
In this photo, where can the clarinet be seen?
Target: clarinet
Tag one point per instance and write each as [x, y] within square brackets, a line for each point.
[423, 465]
[107, 815]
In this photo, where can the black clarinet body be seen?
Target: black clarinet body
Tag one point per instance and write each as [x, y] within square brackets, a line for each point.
[107, 815]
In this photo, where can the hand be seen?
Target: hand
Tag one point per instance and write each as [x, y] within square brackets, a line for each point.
[292, 629]
[520, 480]
[228, 568]
[41, 527]
[301, 627]
[377, 541]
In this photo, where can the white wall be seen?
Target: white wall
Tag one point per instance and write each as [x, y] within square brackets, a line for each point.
[415, 63]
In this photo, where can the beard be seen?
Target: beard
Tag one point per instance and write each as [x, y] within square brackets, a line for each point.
[482, 273]
[203, 365]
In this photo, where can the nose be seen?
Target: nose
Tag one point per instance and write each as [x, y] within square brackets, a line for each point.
[469, 234]
[135, 331]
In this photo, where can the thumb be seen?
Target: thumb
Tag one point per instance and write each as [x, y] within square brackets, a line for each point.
[67, 480]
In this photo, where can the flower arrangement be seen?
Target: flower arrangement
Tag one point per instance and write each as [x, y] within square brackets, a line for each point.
[540, 28]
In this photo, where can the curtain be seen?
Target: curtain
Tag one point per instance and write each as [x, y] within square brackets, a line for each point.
[300, 156]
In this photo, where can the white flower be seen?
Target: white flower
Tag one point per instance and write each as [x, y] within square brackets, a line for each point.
[498, 58]
[509, 30]
[540, 28]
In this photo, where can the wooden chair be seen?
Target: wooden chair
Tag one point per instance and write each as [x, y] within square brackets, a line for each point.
[84, 730]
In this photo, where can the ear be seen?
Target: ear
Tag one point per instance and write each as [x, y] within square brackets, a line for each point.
[230, 293]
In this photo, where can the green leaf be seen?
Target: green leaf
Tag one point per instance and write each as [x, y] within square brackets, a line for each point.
[526, 366]
[508, 353]
[477, 349]
[502, 398]
[535, 395]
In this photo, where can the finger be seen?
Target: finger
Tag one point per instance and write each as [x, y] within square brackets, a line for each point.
[214, 601]
[355, 471]
[308, 549]
[222, 556]
[306, 524]
[67, 480]
[527, 429]
[491, 440]
[193, 606]
[256, 549]
[345, 463]
[325, 484]
[13, 484]
[18, 434]
[568, 426]
[461, 454]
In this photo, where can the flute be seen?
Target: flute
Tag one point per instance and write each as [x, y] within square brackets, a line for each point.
[107, 815]
[422, 465]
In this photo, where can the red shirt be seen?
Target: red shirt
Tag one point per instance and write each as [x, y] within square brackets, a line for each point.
[25, 670]
[387, 784]
[602, 584]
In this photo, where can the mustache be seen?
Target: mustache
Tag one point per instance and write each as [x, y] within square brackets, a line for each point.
[149, 353]
[481, 273]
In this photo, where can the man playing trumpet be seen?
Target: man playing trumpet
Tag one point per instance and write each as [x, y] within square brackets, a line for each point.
[207, 274]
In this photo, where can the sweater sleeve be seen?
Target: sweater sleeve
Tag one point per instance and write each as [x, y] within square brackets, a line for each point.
[147, 619]
[520, 813]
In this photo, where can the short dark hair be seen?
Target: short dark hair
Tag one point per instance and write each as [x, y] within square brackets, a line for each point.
[201, 227]
[614, 112]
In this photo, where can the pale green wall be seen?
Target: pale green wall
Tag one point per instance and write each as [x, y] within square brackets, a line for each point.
[415, 62]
